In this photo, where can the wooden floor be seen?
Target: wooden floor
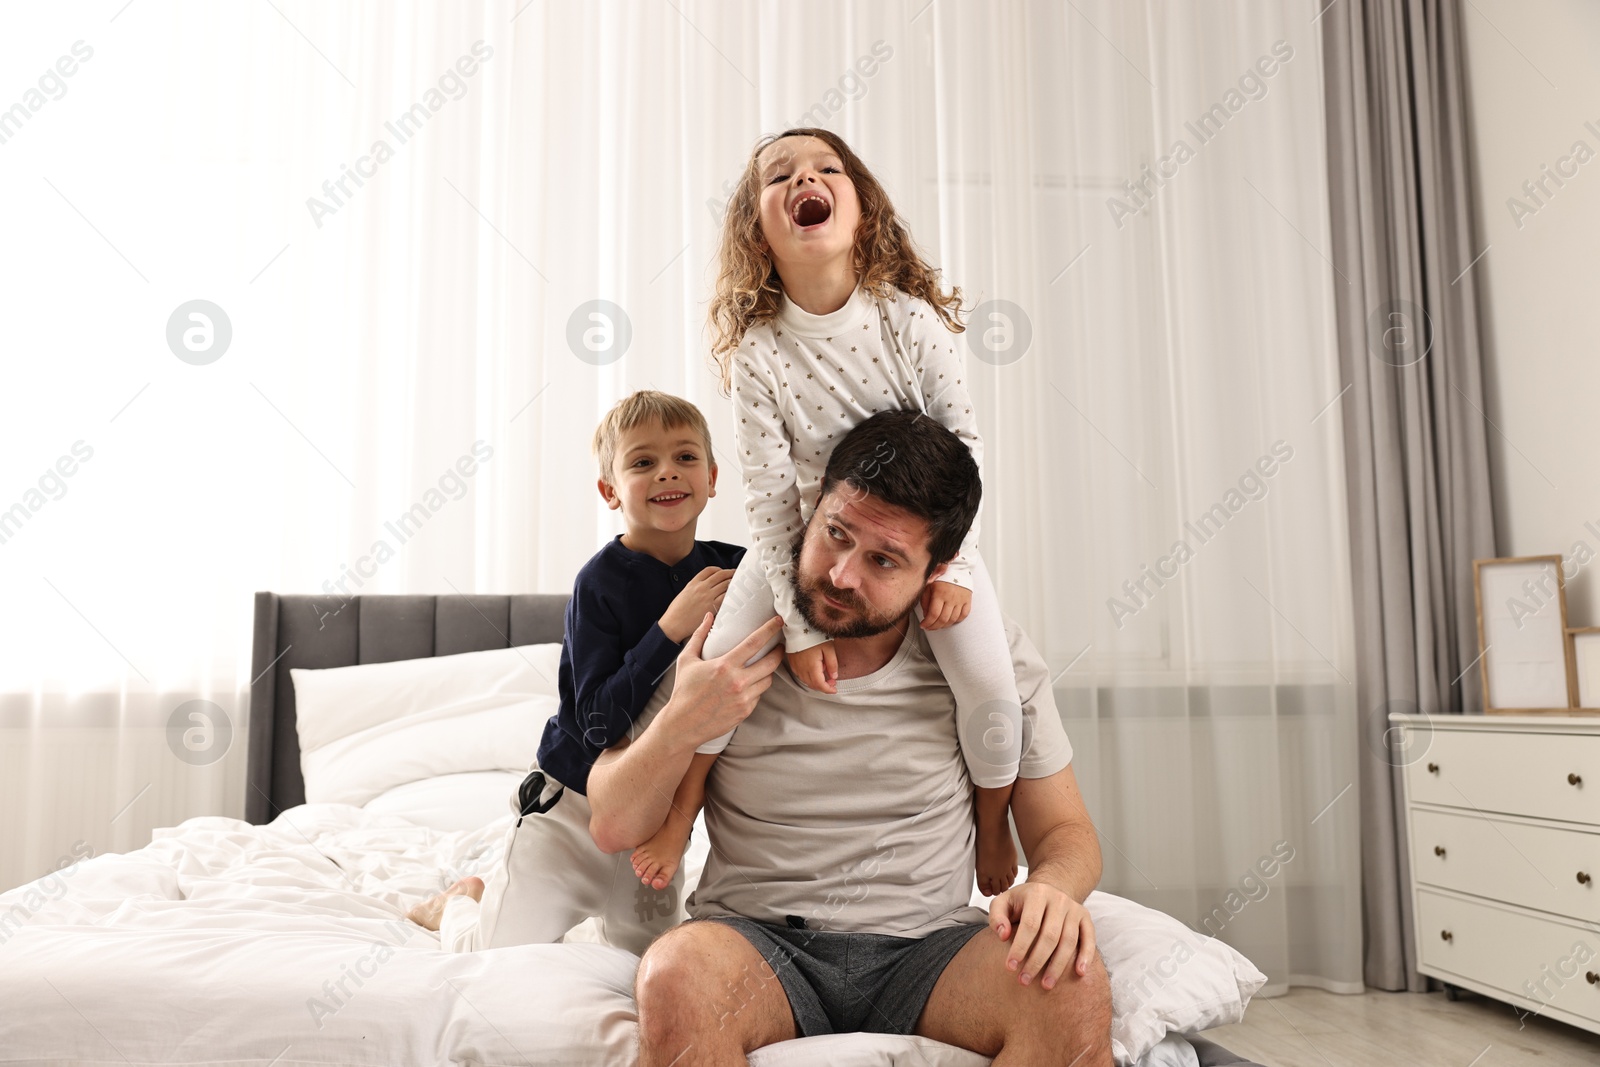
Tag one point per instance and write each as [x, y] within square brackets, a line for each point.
[1310, 1028]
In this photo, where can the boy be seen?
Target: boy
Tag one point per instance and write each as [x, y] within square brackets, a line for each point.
[633, 605]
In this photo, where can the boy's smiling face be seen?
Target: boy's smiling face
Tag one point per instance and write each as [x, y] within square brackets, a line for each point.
[661, 477]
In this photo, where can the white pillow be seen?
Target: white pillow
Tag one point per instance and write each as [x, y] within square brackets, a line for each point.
[1171, 1051]
[1165, 978]
[452, 801]
[368, 728]
[865, 1050]
[889, 1050]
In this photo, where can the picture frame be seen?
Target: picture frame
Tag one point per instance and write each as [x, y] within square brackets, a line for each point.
[1523, 645]
[1583, 663]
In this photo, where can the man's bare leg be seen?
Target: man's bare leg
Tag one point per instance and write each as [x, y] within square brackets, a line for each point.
[706, 996]
[980, 1005]
[430, 911]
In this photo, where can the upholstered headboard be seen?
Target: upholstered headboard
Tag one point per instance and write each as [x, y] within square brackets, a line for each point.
[332, 631]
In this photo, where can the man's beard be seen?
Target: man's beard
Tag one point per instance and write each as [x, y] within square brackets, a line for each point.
[857, 619]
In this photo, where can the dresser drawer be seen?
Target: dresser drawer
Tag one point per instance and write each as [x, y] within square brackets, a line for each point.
[1539, 867]
[1517, 774]
[1544, 961]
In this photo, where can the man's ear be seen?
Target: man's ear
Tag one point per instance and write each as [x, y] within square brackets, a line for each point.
[933, 575]
[608, 493]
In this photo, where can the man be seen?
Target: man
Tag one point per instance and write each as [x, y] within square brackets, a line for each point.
[835, 897]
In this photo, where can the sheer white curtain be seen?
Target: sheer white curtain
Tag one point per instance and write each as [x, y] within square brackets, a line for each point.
[1148, 373]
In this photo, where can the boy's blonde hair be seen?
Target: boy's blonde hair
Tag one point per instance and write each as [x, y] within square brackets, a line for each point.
[748, 288]
[639, 408]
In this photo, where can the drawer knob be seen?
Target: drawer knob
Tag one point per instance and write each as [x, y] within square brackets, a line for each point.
[1574, 779]
[1583, 878]
[1438, 850]
[1594, 979]
[1447, 935]
[1433, 768]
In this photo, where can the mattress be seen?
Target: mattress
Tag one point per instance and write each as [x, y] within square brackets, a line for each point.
[286, 944]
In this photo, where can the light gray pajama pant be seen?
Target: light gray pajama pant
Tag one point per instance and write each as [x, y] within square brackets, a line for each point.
[548, 877]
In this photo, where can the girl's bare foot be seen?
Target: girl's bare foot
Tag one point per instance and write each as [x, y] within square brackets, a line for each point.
[997, 862]
[430, 911]
[656, 861]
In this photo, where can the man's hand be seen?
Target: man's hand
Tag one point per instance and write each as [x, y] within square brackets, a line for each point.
[712, 696]
[817, 666]
[1046, 928]
[944, 604]
[632, 783]
[703, 593]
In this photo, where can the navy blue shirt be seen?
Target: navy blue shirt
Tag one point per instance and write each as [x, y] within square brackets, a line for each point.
[614, 652]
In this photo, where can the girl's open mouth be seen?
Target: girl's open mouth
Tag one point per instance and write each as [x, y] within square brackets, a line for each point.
[810, 210]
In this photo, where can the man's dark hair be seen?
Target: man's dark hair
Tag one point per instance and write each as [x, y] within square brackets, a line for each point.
[907, 459]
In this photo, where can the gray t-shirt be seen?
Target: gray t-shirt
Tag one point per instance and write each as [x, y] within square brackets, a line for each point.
[854, 811]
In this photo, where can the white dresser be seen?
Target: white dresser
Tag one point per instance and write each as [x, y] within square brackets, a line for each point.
[1504, 820]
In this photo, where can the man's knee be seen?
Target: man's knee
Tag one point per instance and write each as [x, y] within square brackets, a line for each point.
[663, 988]
[1082, 1017]
[691, 978]
[703, 984]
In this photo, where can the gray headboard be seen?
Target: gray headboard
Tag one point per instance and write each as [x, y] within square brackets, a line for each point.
[332, 631]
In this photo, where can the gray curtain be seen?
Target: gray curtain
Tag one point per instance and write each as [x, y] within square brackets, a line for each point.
[1414, 416]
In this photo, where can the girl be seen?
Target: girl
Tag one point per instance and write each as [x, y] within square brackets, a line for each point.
[824, 313]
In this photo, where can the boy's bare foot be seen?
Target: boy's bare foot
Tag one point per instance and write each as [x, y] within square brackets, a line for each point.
[997, 862]
[430, 911]
[656, 861]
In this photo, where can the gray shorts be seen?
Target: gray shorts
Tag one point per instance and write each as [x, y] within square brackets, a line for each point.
[839, 983]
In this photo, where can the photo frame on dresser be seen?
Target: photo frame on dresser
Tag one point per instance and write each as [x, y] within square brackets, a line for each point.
[1522, 636]
[1583, 664]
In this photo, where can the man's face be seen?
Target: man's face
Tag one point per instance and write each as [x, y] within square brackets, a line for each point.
[862, 564]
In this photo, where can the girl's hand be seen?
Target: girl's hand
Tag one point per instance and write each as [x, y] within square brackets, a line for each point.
[817, 666]
[944, 604]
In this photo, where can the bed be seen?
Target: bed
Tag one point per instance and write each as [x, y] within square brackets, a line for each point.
[281, 940]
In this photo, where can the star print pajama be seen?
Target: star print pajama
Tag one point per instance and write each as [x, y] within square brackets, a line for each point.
[801, 383]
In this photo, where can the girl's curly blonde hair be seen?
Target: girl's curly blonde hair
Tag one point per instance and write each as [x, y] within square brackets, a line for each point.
[885, 258]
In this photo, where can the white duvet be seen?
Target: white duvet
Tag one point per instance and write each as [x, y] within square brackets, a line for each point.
[286, 944]
[231, 944]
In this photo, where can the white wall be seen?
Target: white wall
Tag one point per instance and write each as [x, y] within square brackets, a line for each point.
[1533, 76]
